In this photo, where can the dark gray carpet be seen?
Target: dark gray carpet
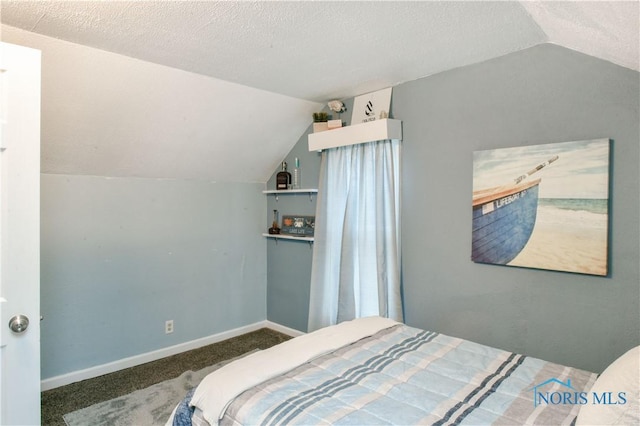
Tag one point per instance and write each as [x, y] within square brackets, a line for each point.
[59, 401]
[150, 406]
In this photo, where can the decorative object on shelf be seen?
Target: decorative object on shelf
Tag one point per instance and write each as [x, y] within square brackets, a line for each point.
[334, 124]
[320, 127]
[371, 106]
[283, 178]
[298, 225]
[296, 174]
[275, 229]
[337, 107]
[320, 122]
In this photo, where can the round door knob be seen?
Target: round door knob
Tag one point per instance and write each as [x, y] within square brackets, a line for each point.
[19, 323]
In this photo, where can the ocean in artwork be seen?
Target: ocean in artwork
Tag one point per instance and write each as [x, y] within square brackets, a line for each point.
[586, 205]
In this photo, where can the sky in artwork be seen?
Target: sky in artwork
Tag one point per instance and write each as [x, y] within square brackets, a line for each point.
[581, 170]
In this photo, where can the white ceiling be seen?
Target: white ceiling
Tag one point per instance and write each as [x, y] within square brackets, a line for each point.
[316, 51]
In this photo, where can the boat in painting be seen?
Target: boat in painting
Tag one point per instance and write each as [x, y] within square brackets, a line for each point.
[504, 218]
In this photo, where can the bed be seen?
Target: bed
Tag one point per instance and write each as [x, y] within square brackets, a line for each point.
[374, 371]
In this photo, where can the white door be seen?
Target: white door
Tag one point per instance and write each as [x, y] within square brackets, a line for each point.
[19, 235]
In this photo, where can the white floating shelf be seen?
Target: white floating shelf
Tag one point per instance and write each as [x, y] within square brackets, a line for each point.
[290, 191]
[358, 133]
[277, 192]
[288, 237]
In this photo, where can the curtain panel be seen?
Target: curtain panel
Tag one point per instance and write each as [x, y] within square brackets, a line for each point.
[356, 256]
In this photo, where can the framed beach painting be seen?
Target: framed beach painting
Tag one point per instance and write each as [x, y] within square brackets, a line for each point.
[543, 206]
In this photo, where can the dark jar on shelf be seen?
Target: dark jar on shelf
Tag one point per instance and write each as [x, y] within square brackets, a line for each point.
[275, 229]
[283, 178]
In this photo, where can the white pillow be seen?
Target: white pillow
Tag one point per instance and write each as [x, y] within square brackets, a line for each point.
[623, 375]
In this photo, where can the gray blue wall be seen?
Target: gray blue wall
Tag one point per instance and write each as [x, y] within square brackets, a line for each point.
[540, 95]
[289, 262]
[543, 94]
[120, 256]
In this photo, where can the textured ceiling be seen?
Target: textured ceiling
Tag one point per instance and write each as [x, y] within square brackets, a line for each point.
[313, 51]
[608, 30]
[323, 50]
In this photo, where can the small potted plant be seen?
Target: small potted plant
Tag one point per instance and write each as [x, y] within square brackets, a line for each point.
[320, 121]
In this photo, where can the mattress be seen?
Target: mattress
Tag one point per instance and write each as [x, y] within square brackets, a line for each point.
[378, 371]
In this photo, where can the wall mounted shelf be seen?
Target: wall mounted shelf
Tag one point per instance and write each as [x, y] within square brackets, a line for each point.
[278, 192]
[357, 133]
[289, 237]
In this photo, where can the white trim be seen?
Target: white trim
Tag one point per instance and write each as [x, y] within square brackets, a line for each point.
[282, 329]
[99, 370]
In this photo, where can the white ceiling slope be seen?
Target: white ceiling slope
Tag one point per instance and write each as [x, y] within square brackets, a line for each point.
[608, 30]
[315, 51]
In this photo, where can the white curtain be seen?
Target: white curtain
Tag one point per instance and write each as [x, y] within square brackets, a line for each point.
[356, 254]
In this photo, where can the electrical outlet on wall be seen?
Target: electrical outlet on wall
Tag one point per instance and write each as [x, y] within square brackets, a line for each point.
[168, 326]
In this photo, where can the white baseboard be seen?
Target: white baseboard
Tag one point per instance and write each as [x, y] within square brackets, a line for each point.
[99, 370]
[282, 329]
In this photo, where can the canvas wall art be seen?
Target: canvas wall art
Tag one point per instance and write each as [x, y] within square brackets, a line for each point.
[543, 206]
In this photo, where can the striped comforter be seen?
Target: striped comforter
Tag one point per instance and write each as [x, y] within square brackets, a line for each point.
[406, 376]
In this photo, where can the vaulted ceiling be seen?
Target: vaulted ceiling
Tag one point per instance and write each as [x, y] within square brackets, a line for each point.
[295, 56]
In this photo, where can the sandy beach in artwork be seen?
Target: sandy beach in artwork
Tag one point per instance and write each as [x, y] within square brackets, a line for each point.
[566, 240]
